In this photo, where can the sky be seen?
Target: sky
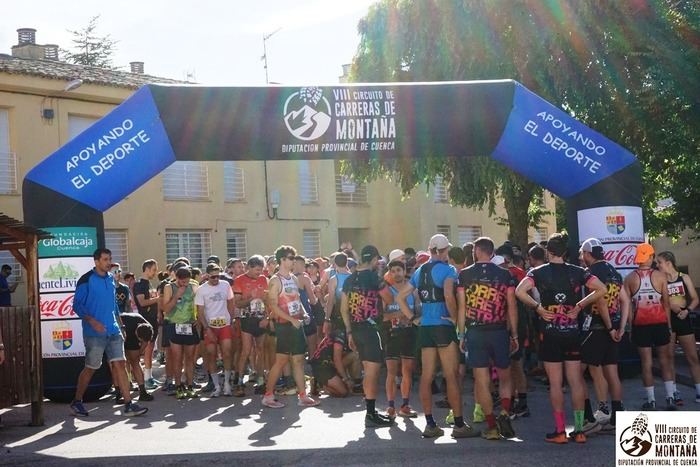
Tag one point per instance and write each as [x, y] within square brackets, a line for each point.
[218, 42]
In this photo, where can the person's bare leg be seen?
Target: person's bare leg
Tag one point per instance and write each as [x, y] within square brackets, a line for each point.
[83, 381]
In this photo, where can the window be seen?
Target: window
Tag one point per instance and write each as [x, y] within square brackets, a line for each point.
[77, 125]
[118, 242]
[8, 159]
[186, 180]
[312, 243]
[308, 183]
[17, 271]
[541, 235]
[444, 229]
[234, 183]
[194, 245]
[440, 193]
[468, 233]
[348, 191]
[236, 243]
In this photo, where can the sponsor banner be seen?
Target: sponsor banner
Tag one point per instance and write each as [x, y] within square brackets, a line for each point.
[62, 274]
[68, 241]
[619, 228]
[62, 339]
[56, 306]
[111, 159]
[657, 438]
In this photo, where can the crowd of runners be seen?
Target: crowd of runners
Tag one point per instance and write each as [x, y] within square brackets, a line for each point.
[286, 325]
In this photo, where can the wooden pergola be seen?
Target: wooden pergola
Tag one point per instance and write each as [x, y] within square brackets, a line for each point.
[21, 379]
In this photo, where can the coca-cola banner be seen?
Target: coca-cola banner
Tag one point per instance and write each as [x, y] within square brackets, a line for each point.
[62, 338]
[57, 306]
[619, 228]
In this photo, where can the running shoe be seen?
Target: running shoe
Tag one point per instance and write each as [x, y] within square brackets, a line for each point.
[478, 415]
[450, 419]
[306, 401]
[670, 404]
[464, 431]
[151, 384]
[407, 411]
[578, 436]
[216, 392]
[118, 398]
[504, 426]
[240, 390]
[556, 437]
[209, 387]
[519, 410]
[78, 409]
[132, 409]
[145, 397]
[289, 391]
[491, 434]
[432, 431]
[601, 417]
[227, 390]
[375, 420]
[181, 392]
[391, 412]
[590, 428]
[171, 389]
[649, 405]
[358, 390]
[269, 401]
[161, 358]
[607, 429]
[196, 385]
[191, 392]
[678, 399]
[442, 404]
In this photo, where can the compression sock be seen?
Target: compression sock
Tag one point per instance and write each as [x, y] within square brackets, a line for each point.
[579, 415]
[429, 420]
[588, 411]
[490, 421]
[560, 421]
[459, 421]
[391, 404]
[616, 405]
[505, 404]
[369, 403]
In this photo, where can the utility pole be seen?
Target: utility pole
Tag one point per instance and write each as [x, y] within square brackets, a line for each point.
[264, 57]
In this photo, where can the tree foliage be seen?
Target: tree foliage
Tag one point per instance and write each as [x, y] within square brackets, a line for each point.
[90, 49]
[627, 69]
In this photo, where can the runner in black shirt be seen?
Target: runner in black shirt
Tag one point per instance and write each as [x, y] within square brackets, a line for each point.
[137, 335]
[147, 303]
[560, 286]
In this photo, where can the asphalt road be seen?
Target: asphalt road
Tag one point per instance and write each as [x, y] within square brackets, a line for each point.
[225, 430]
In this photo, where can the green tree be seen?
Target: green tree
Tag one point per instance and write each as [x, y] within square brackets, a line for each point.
[89, 48]
[592, 58]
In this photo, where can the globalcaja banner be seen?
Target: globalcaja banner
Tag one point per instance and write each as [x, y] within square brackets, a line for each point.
[619, 228]
[111, 159]
[68, 241]
[551, 148]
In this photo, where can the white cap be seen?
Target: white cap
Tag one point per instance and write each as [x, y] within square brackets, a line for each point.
[590, 244]
[439, 241]
[396, 254]
[498, 260]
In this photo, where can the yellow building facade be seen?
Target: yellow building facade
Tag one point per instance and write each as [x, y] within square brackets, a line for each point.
[197, 209]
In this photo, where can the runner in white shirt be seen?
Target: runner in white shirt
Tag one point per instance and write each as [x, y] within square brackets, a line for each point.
[214, 301]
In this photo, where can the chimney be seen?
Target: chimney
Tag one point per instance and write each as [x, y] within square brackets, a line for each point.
[136, 67]
[26, 36]
[51, 52]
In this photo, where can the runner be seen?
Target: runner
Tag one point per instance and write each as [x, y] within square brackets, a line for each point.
[122, 292]
[651, 323]
[435, 282]
[138, 334]
[333, 320]
[286, 307]
[683, 298]
[308, 300]
[327, 367]
[147, 303]
[486, 295]
[214, 301]
[559, 284]
[401, 342]
[361, 308]
[603, 328]
[250, 291]
[179, 310]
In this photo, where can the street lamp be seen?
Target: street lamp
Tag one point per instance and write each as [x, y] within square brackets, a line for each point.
[264, 57]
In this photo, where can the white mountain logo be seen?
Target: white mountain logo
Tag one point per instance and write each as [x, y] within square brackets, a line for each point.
[307, 114]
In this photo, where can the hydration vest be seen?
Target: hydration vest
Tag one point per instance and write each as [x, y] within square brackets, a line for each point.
[429, 292]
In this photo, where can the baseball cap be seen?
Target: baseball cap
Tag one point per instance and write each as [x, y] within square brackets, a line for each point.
[498, 260]
[368, 253]
[213, 267]
[439, 241]
[395, 254]
[644, 252]
[422, 257]
[592, 245]
[213, 259]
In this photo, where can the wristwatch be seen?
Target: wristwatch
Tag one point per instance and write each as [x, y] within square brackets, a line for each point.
[327, 320]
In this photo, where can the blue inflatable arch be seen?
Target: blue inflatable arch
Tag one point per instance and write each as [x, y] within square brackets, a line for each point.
[161, 124]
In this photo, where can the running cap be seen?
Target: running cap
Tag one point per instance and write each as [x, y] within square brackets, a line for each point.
[213, 267]
[498, 260]
[213, 259]
[644, 253]
[439, 241]
[351, 263]
[590, 245]
[422, 257]
[396, 254]
[368, 253]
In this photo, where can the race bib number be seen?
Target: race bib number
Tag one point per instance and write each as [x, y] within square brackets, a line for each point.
[587, 323]
[217, 322]
[257, 307]
[295, 309]
[183, 329]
